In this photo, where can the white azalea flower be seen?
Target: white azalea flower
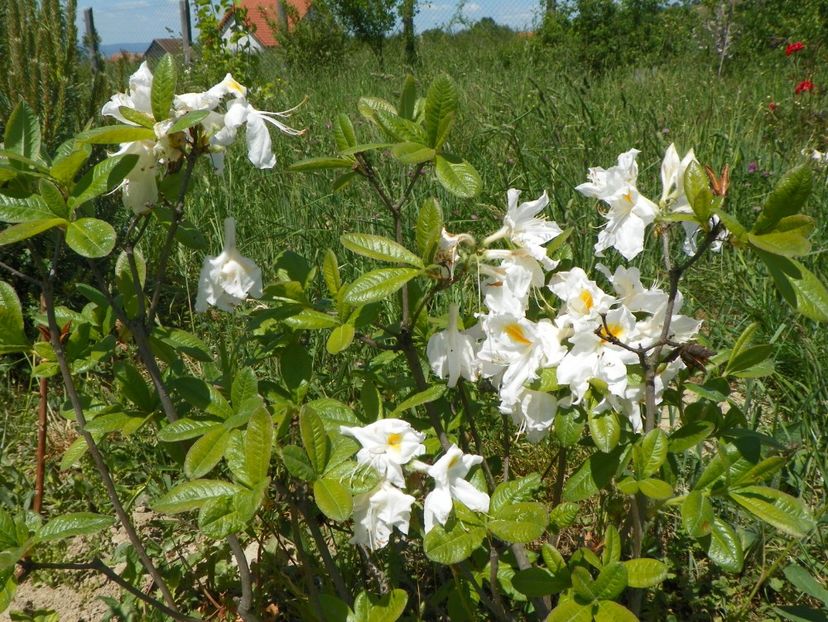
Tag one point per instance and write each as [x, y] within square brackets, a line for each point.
[451, 353]
[449, 473]
[515, 348]
[226, 280]
[259, 145]
[593, 357]
[608, 184]
[533, 413]
[672, 179]
[627, 221]
[447, 254]
[583, 300]
[140, 188]
[377, 512]
[139, 97]
[630, 292]
[387, 444]
[228, 86]
[525, 230]
[508, 285]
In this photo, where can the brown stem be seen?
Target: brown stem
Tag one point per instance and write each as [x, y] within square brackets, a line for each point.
[166, 249]
[97, 565]
[324, 552]
[97, 458]
[557, 487]
[42, 423]
[246, 600]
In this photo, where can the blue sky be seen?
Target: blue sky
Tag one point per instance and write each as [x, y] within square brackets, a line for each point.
[127, 21]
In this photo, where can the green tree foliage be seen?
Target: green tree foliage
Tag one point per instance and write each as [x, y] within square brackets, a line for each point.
[367, 20]
[315, 39]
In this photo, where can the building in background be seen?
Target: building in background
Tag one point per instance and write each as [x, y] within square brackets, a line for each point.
[159, 47]
[262, 16]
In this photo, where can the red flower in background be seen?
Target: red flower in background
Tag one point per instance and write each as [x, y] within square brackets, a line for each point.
[772, 106]
[805, 85]
[794, 47]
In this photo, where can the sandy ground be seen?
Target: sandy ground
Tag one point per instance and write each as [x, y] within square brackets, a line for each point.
[77, 603]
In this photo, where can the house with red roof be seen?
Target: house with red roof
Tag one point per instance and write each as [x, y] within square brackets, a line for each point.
[262, 18]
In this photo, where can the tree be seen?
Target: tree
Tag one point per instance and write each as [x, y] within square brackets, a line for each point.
[367, 20]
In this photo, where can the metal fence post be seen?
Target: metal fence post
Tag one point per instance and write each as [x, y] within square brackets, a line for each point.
[92, 39]
[186, 31]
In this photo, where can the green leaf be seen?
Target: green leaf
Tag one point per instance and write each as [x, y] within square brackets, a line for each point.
[139, 118]
[570, 611]
[379, 247]
[13, 210]
[568, 429]
[297, 463]
[26, 230]
[258, 445]
[74, 524]
[583, 583]
[645, 572]
[90, 237]
[408, 98]
[64, 169]
[219, 518]
[759, 472]
[370, 608]
[364, 147]
[563, 515]
[412, 153]
[340, 338]
[314, 439]
[798, 286]
[431, 394]
[789, 238]
[333, 499]
[697, 514]
[22, 134]
[519, 522]
[611, 581]
[245, 386]
[612, 546]
[440, 109]
[457, 176]
[805, 582]
[192, 495]
[377, 285]
[514, 491]
[330, 272]
[206, 452]
[12, 334]
[104, 177]
[320, 164]
[182, 341]
[185, 122]
[724, 547]
[655, 488]
[429, 227]
[368, 105]
[595, 473]
[650, 453]
[605, 430]
[452, 547]
[786, 199]
[53, 198]
[689, 436]
[747, 358]
[116, 134]
[8, 587]
[609, 611]
[781, 510]
[163, 87]
[310, 319]
[697, 189]
[398, 129]
[535, 582]
[344, 134]
[185, 429]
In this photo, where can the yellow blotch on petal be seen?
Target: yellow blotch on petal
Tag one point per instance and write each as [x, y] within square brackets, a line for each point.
[586, 298]
[515, 332]
[394, 440]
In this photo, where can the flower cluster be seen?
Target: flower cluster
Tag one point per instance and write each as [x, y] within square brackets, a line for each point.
[387, 446]
[220, 127]
[803, 87]
[592, 338]
[793, 48]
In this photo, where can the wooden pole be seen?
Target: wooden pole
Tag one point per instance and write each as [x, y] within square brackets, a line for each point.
[91, 39]
[186, 30]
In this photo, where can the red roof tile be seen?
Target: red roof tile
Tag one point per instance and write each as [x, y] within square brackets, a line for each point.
[261, 13]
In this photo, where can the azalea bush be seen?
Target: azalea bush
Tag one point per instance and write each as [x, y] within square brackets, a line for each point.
[455, 349]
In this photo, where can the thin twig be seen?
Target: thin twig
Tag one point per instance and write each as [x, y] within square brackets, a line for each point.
[19, 274]
[97, 565]
[246, 600]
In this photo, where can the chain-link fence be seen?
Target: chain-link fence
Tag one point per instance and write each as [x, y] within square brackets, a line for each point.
[132, 25]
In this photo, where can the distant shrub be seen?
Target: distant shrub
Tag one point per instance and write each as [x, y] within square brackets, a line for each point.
[316, 39]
